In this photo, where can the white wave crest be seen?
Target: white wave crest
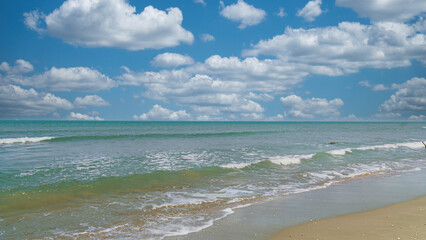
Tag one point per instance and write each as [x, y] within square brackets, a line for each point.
[339, 152]
[412, 145]
[236, 165]
[291, 159]
[23, 140]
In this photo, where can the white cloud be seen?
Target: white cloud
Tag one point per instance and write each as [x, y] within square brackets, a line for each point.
[80, 116]
[311, 108]
[16, 101]
[67, 79]
[260, 96]
[112, 23]
[257, 75]
[159, 113]
[389, 115]
[226, 74]
[311, 10]
[419, 117]
[385, 10]
[364, 83]
[172, 60]
[281, 13]
[377, 87]
[204, 94]
[351, 117]
[346, 48]
[33, 19]
[90, 100]
[21, 66]
[410, 97]
[380, 87]
[205, 37]
[245, 14]
[252, 116]
[200, 2]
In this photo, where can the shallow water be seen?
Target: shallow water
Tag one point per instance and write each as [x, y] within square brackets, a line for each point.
[150, 180]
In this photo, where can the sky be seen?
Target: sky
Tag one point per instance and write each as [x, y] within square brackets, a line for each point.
[209, 60]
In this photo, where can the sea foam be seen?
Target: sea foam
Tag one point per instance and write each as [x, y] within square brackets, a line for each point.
[23, 140]
[237, 165]
[412, 145]
[278, 160]
[290, 159]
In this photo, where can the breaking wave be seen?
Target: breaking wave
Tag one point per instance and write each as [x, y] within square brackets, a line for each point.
[412, 145]
[24, 140]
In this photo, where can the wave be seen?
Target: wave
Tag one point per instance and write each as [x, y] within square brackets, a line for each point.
[66, 191]
[277, 160]
[291, 159]
[412, 145]
[237, 165]
[164, 180]
[24, 140]
[157, 135]
[129, 136]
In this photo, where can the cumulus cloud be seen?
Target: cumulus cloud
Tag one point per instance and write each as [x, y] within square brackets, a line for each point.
[257, 75]
[228, 74]
[379, 10]
[67, 79]
[380, 87]
[202, 93]
[410, 97]
[207, 37]
[245, 14]
[281, 13]
[376, 87]
[33, 20]
[311, 108]
[347, 47]
[80, 116]
[112, 23]
[364, 83]
[172, 60]
[90, 100]
[389, 115]
[417, 117]
[219, 85]
[311, 10]
[16, 101]
[21, 66]
[159, 113]
[260, 96]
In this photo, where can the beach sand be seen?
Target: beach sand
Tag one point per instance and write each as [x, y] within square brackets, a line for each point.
[406, 220]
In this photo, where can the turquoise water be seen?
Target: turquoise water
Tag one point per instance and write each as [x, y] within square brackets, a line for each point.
[132, 180]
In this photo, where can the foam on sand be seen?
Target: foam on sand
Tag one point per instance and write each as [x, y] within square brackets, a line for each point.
[23, 140]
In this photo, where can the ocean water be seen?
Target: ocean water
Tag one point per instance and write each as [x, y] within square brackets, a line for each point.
[150, 180]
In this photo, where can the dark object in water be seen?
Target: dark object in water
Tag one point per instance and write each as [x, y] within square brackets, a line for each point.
[424, 144]
[333, 142]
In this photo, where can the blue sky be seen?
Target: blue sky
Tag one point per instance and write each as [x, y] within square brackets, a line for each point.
[191, 60]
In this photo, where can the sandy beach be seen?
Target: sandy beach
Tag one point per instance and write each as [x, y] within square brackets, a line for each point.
[406, 220]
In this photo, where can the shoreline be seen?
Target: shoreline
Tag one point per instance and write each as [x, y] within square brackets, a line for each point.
[264, 220]
[404, 220]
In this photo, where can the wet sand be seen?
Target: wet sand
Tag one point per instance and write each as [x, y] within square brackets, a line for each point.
[406, 220]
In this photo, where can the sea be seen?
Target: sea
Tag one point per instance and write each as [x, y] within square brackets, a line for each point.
[153, 180]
